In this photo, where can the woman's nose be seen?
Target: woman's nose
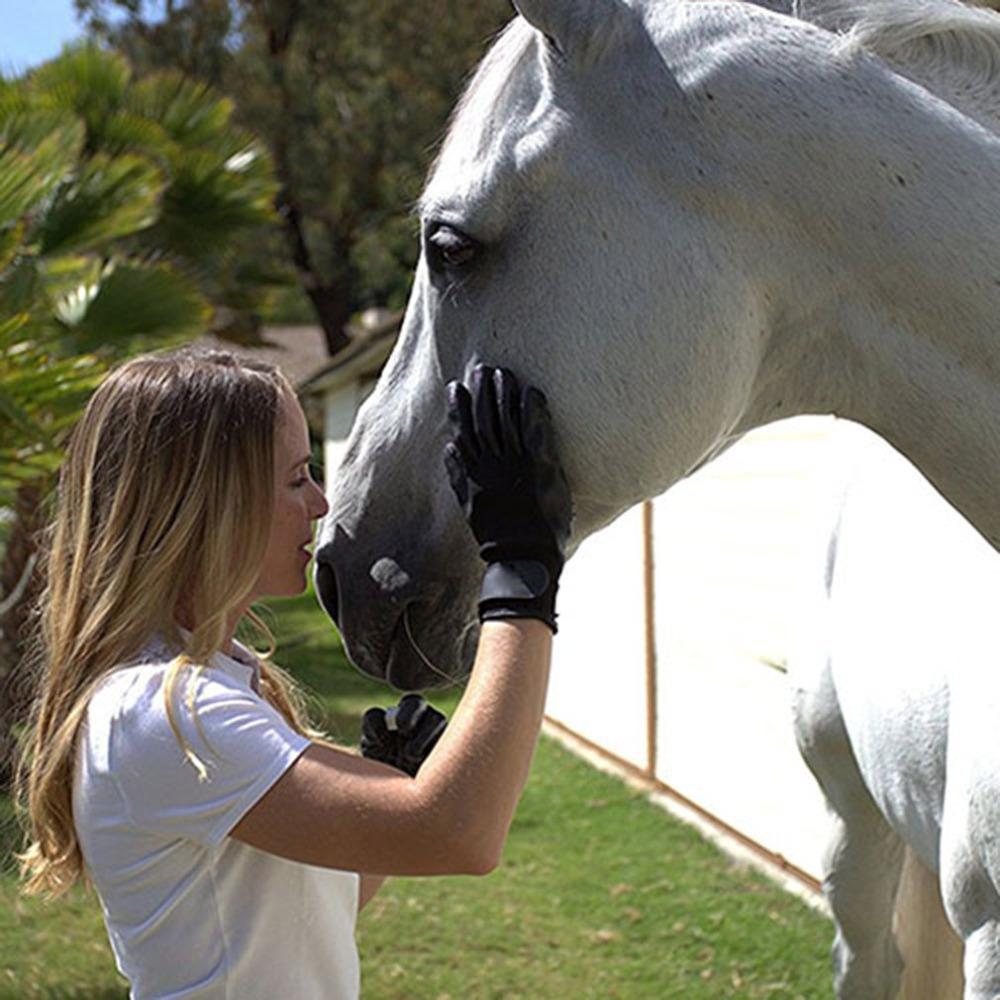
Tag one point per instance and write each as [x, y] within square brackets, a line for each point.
[321, 506]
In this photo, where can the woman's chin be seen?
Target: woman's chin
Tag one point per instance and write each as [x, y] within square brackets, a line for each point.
[295, 585]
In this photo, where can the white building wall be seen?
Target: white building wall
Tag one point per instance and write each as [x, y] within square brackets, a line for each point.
[598, 686]
[340, 407]
[738, 551]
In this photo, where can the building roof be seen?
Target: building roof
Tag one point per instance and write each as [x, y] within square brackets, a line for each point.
[371, 343]
[299, 351]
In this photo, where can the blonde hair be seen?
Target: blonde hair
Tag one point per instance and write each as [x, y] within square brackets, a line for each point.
[164, 503]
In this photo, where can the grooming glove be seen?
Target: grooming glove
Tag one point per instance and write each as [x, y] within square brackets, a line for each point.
[506, 474]
[403, 736]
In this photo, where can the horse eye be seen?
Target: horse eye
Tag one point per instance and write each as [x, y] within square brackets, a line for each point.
[449, 248]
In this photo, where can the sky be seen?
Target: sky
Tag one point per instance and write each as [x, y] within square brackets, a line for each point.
[32, 31]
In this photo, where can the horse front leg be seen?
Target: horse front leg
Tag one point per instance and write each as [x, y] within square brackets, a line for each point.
[862, 872]
[970, 889]
[982, 963]
[864, 856]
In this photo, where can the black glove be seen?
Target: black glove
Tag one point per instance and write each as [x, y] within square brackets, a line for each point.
[504, 469]
[402, 736]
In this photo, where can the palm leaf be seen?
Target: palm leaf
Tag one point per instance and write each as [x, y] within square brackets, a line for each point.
[64, 275]
[17, 422]
[127, 132]
[20, 286]
[10, 242]
[207, 203]
[40, 396]
[147, 302]
[191, 113]
[86, 80]
[37, 150]
[110, 197]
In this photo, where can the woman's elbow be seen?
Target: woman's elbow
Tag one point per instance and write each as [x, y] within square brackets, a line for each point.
[473, 853]
[467, 841]
[475, 860]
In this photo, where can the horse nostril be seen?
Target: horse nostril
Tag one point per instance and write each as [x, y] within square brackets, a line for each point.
[326, 587]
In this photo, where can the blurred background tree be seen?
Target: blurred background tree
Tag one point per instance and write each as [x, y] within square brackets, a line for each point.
[350, 97]
[137, 207]
[121, 199]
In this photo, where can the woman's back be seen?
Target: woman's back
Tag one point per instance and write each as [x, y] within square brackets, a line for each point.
[191, 911]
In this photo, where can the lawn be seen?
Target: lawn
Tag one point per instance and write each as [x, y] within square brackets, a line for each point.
[600, 895]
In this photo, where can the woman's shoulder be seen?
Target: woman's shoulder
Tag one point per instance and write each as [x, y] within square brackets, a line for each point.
[133, 690]
[128, 713]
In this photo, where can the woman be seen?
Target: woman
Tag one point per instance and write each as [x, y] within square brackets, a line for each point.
[175, 770]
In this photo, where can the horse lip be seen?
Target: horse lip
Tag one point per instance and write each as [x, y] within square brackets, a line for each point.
[403, 653]
[396, 643]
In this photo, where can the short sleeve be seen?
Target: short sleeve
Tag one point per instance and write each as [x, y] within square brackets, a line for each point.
[244, 743]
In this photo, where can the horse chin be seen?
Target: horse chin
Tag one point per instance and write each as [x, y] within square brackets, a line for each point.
[425, 648]
[428, 649]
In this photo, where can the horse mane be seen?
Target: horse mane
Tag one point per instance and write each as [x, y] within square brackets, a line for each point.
[948, 47]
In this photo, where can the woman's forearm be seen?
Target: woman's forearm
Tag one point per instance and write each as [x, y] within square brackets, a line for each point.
[478, 769]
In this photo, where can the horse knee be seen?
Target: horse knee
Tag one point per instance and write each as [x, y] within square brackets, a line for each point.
[870, 973]
[863, 867]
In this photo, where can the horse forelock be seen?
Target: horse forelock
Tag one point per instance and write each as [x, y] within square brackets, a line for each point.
[950, 48]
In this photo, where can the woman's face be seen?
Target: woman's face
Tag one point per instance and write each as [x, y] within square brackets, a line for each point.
[298, 503]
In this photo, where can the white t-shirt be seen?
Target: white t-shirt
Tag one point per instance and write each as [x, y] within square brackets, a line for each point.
[190, 911]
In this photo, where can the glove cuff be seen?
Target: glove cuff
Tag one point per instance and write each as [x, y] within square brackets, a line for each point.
[519, 588]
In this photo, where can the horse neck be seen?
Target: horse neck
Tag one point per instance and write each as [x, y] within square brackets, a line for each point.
[892, 318]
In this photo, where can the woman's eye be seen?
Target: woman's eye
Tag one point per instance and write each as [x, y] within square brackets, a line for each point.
[448, 247]
[311, 474]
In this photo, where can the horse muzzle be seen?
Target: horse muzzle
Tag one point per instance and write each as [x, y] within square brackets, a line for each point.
[412, 636]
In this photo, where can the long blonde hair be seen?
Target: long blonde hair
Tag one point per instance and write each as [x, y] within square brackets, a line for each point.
[164, 503]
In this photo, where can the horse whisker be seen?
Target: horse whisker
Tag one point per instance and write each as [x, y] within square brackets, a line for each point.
[413, 642]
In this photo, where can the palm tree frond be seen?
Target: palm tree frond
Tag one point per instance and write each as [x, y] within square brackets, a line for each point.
[36, 153]
[110, 197]
[145, 302]
[191, 113]
[87, 80]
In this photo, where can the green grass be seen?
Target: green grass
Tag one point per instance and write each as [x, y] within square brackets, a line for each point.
[600, 895]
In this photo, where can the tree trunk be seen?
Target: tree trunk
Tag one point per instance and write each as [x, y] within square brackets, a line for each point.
[19, 582]
[329, 300]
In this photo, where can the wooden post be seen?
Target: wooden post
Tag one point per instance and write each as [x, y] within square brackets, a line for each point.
[650, 614]
[931, 950]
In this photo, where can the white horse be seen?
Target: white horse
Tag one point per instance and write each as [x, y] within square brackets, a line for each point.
[897, 711]
[683, 220]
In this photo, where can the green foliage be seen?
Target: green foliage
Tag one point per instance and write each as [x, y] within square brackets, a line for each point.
[349, 98]
[107, 199]
[144, 306]
[118, 201]
[41, 393]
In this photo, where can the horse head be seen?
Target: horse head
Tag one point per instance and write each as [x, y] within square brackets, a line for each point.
[611, 217]
[564, 235]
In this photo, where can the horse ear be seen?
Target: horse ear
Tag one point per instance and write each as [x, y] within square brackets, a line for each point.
[577, 29]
